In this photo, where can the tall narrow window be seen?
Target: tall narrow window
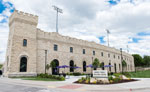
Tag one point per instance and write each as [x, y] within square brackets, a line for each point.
[114, 56]
[71, 49]
[108, 55]
[83, 51]
[71, 66]
[55, 47]
[110, 67]
[93, 52]
[118, 57]
[24, 42]
[84, 66]
[102, 54]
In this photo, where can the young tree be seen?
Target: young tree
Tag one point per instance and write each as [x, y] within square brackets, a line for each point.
[53, 64]
[47, 66]
[96, 63]
[1, 66]
[124, 64]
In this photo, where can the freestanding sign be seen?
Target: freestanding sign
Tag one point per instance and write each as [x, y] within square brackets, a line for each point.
[100, 74]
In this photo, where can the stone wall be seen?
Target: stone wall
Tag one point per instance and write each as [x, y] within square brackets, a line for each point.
[24, 26]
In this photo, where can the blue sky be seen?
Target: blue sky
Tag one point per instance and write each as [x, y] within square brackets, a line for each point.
[87, 19]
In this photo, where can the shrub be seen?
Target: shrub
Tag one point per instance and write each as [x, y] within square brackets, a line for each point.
[77, 74]
[110, 78]
[94, 82]
[87, 81]
[83, 79]
[111, 81]
[80, 80]
[62, 78]
[116, 79]
[51, 77]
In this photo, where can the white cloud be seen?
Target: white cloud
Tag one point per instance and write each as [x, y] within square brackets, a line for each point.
[88, 19]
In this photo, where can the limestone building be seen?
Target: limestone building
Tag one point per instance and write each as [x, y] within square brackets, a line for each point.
[30, 49]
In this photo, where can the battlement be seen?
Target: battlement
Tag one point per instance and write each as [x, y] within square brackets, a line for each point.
[24, 17]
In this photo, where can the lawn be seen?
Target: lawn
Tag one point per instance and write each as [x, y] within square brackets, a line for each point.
[40, 79]
[140, 74]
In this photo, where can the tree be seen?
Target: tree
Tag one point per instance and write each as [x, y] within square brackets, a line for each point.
[52, 64]
[1, 66]
[47, 66]
[96, 63]
[124, 64]
[138, 60]
[146, 60]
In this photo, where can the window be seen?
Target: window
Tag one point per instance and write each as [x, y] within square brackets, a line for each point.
[83, 51]
[110, 67]
[84, 66]
[55, 47]
[102, 54]
[71, 49]
[24, 42]
[108, 55]
[114, 56]
[93, 52]
[118, 57]
[71, 66]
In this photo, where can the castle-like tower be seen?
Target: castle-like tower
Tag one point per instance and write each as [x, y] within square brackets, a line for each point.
[30, 49]
[22, 28]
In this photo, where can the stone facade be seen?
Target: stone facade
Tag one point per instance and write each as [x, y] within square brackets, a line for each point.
[40, 49]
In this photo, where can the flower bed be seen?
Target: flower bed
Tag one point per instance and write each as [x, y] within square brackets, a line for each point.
[111, 80]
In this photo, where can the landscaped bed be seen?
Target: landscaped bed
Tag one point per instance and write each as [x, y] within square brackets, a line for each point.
[100, 83]
[112, 79]
[43, 77]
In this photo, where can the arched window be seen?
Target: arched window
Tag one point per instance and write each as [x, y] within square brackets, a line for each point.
[24, 42]
[103, 66]
[84, 66]
[71, 66]
[23, 64]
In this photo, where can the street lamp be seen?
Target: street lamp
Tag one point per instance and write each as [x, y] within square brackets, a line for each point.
[121, 59]
[45, 59]
[108, 32]
[91, 66]
[58, 10]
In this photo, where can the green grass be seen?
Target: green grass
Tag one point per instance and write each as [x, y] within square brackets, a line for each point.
[35, 78]
[140, 74]
[40, 79]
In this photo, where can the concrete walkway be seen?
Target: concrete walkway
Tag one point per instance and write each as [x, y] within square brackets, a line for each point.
[143, 83]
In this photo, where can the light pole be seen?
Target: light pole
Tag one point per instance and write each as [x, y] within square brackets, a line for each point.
[121, 59]
[45, 59]
[91, 66]
[108, 32]
[58, 10]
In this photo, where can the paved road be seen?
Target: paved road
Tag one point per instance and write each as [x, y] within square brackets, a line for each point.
[18, 85]
[7, 87]
[13, 87]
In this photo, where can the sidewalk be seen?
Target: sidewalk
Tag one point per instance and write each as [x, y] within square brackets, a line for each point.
[143, 83]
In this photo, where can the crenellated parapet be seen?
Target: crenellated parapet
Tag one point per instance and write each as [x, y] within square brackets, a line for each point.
[23, 17]
[66, 39]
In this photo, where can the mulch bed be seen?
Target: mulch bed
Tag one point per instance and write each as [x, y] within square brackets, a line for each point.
[121, 81]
